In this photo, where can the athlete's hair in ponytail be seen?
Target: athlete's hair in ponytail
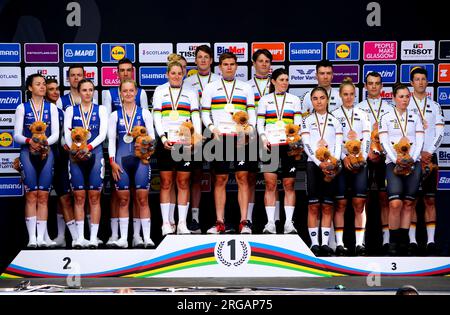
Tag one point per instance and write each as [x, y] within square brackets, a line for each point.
[346, 82]
[82, 81]
[127, 81]
[398, 86]
[275, 74]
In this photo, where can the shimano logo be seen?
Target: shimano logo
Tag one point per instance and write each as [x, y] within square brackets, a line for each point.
[9, 53]
[305, 51]
[10, 186]
[154, 76]
[444, 180]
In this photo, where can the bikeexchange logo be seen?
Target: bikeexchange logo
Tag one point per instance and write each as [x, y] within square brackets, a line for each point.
[232, 253]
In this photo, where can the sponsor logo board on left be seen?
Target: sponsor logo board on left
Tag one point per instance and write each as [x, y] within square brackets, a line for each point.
[10, 99]
[241, 72]
[418, 50]
[152, 76]
[343, 51]
[11, 186]
[7, 162]
[80, 52]
[10, 76]
[443, 94]
[277, 49]
[7, 140]
[405, 70]
[90, 73]
[444, 73]
[154, 52]
[444, 49]
[7, 120]
[41, 52]
[239, 49]
[110, 76]
[340, 72]
[10, 53]
[302, 74]
[112, 53]
[388, 72]
[46, 72]
[444, 180]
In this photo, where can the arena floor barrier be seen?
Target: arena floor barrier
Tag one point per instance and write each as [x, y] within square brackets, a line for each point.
[218, 256]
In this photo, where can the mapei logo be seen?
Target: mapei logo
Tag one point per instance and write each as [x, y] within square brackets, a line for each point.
[443, 93]
[80, 53]
[444, 73]
[115, 52]
[405, 70]
[305, 51]
[10, 99]
[303, 74]
[388, 72]
[10, 53]
[239, 49]
[418, 50]
[343, 51]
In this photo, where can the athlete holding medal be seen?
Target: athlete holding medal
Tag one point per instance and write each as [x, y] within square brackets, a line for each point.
[275, 111]
[87, 170]
[403, 124]
[320, 129]
[356, 126]
[375, 107]
[36, 172]
[128, 170]
[433, 124]
[174, 104]
[220, 100]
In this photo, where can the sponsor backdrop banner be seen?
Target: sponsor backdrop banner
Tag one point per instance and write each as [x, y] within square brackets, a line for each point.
[41, 53]
[380, 51]
[305, 51]
[10, 53]
[80, 53]
[10, 99]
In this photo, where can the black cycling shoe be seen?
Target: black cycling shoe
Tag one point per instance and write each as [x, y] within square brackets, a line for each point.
[360, 250]
[392, 249]
[341, 251]
[316, 250]
[413, 249]
[326, 251]
[431, 249]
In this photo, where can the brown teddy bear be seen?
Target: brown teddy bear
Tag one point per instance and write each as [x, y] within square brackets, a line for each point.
[375, 144]
[355, 155]
[243, 128]
[144, 144]
[428, 168]
[188, 134]
[16, 164]
[405, 168]
[324, 155]
[294, 141]
[38, 136]
[79, 144]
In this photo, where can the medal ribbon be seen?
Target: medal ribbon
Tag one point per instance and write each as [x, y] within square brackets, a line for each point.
[200, 81]
[257, 86]
[321, 132]
[129, 124]
[86, 121]
[346, 117]
[229, 98]
[37, 116]
[399, 122]
[174, 106]
[421, 112]
[373, 112]
[279, 112]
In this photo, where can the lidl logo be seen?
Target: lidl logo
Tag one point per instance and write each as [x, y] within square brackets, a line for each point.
[6, 139]
[115, 52]
[343, 51]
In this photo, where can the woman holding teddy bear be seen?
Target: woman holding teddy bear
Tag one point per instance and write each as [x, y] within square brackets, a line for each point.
[85, 127]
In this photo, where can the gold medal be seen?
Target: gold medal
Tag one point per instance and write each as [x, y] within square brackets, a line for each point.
[229, 108]
[425, 124]
[322, 143]
[280, 124]
[173, 115]
[89, 135]
[352, 135]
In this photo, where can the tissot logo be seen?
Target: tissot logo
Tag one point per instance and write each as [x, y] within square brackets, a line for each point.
[187, 50]
[46, 72]
[418, 50]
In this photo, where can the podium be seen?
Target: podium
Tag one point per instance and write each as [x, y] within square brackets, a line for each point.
[220, 256]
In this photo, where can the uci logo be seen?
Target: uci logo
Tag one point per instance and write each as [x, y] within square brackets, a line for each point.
[343, 51]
